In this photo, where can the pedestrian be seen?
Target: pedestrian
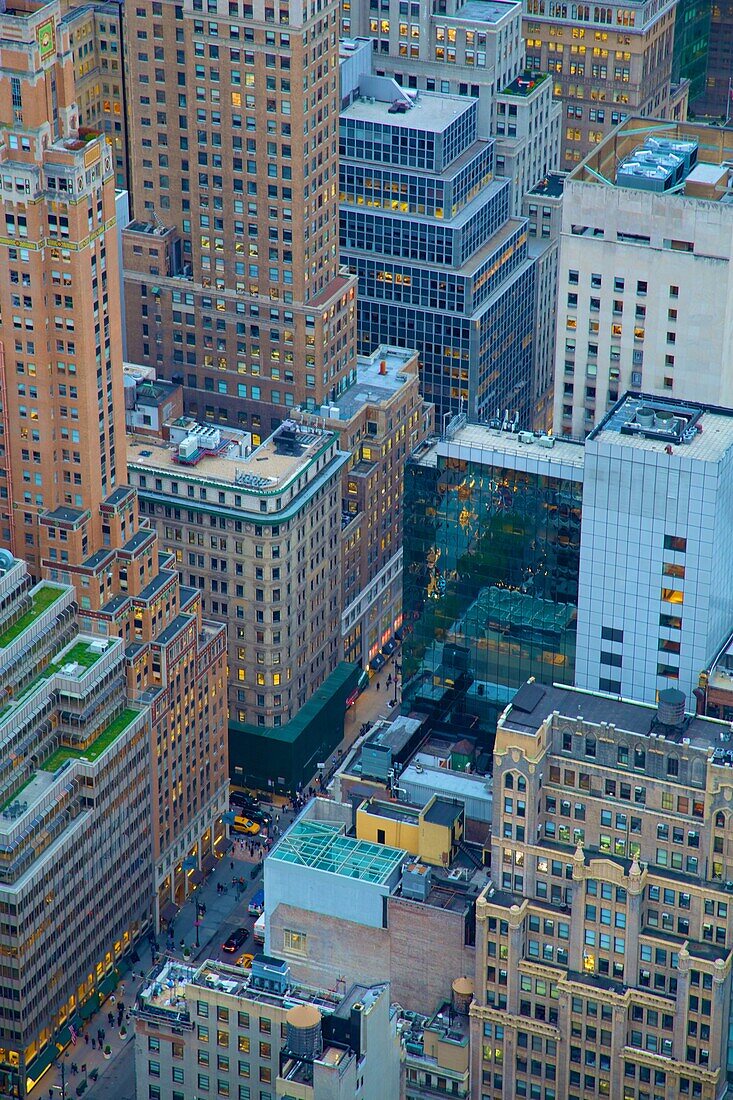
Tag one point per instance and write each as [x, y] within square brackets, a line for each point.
[110, 1019]
[231, 864]
[378, 685]
[94, 1044]
[86, 1037]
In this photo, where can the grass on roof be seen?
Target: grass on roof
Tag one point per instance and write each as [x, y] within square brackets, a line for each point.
[100, 744]
[16, 795]
[81, 654]
[41, 600]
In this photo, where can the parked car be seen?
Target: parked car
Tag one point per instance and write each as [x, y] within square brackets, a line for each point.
[235, 941]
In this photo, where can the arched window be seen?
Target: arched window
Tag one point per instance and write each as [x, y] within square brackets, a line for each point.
[720, 820]
[509, 781]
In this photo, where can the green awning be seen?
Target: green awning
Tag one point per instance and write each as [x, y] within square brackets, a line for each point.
[89, 1007]
[40, 1064]
[123, 966]
[108, 984]
[64, 1036]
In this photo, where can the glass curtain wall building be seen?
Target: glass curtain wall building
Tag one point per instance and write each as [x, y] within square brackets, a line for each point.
[442, 267]
[491, 564]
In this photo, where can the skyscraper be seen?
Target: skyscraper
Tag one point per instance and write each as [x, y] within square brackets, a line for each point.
[443, 268]
[603, 942]
[236, 112]
[606, 63]
[66, 506]
[645, 272]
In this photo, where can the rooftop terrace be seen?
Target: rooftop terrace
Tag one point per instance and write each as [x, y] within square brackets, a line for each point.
[100, 744]
[42, 597]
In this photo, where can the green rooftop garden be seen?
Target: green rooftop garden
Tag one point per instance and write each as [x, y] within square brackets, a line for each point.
[80, 654]
[525, 84]
[16, 795]
[43, 598]
[99, 745]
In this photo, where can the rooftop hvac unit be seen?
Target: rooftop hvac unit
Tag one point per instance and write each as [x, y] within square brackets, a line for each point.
[187, 447]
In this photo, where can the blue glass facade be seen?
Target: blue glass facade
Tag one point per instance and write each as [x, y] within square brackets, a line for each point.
[491, 564]
[441, 265]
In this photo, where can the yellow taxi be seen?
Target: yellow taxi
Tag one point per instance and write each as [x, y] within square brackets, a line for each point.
[245, 961]
[245, 825]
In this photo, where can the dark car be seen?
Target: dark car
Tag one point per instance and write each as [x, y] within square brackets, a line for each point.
[235, 941]
[243, 801]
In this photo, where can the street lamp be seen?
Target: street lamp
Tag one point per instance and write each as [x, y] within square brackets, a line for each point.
[197, 922]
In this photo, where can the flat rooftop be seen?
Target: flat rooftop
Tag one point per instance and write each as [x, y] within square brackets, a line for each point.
[324, 847]
[430, 112]
[443, 812]
[715, 148]
[485, 11]
[379, 377]
[694, 431]
[394, 811]
[533, 703]
[267, 469]
[525, 85]
[166, 987]
[498, 444]
[551, 187]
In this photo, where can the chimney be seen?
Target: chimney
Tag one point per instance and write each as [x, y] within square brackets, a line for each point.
[383, 366]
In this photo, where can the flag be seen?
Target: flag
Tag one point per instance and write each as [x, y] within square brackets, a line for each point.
[72, 1032]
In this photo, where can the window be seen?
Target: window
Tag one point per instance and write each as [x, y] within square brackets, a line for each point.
[294, 942]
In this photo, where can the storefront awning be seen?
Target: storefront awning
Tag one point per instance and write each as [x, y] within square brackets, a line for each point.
[169, 911]
[89, 1007]
[64, 1036]
[197, 877]
[40, 1064]
[108, 983]
[208, 863]
[123, 966]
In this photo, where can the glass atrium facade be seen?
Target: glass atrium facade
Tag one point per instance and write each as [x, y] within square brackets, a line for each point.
[491, 562]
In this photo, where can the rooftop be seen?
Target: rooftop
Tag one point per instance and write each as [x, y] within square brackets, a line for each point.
[267, 469]
[166, 988]
[395, 811]
[497, 443]
[714, 149]
[534, 703]
[324, 847]
[443, 812]
[99, 745]
[551, 186]
[43, 596]
[485, 11]
[684, 428]
[379, 377]
[525, 84]
[430, 111]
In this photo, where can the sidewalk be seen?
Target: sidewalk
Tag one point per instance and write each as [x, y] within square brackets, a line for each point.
[219, 907]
